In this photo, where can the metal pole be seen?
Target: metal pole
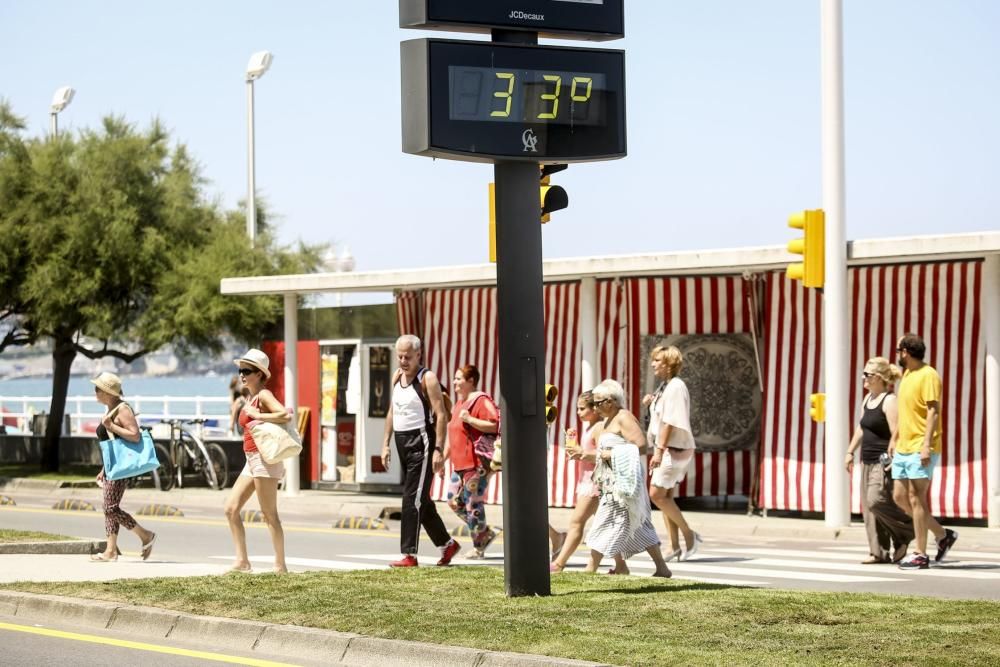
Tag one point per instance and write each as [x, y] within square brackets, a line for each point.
[251, 188]
[991, 284]
[588, 334]
[292, 479]
[54, 124]
[835, 325]
[522, 368]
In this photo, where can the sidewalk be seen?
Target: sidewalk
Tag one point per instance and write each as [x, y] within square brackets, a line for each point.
[329, 506]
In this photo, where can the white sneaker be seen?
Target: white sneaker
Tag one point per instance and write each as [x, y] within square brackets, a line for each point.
[688, 553]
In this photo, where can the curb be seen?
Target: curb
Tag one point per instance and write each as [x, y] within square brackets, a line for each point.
[252, 516]
[27, 483]
[360, 523]
[7, 500]
[289, 641]
[64, 547]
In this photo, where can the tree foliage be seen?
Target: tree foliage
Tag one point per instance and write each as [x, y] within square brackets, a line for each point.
[108, 237]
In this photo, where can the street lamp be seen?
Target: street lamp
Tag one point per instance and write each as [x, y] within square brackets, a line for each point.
[259, 63]
[338, 264]
[60, 101]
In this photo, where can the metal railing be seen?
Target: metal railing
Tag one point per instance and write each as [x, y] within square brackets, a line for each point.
[85, 413]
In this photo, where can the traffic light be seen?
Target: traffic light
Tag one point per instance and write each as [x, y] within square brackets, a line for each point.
[811, 246]
[553, 197]
[551, 411]
[818, 409]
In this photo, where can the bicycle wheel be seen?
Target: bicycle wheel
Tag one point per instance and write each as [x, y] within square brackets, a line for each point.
[163, 476]
[219, 463]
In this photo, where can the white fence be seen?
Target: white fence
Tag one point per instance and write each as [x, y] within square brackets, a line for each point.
[85, 413]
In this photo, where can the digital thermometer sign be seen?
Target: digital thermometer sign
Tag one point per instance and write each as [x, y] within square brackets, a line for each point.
[486, 101]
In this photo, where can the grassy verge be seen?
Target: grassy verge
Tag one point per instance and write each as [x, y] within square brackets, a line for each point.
[609, 619]
[7, 535]
[69, 473]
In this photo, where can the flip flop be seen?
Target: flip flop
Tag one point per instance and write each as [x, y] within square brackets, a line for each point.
[101, 558]
[147, 548]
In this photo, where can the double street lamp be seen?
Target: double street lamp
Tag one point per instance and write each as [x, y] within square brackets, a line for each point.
[60, 101]
[258, 65]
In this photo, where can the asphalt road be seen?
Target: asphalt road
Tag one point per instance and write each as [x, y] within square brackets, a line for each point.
[199, 543]
[23, 644]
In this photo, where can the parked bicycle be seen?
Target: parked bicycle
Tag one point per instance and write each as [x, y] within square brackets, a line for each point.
[187, 452]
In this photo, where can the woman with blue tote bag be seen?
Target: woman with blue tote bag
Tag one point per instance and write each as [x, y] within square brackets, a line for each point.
[118, 422]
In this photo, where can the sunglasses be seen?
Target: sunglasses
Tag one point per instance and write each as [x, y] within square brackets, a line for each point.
[867, 375]
[602, 401]
[248, 371]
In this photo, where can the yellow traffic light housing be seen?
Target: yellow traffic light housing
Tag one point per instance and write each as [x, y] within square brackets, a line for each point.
[811, 270]
[818, 409]
[493, 223]
[551, 411]
[553, 197]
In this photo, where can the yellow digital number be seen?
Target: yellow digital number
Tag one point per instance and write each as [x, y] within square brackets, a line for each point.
[572, 91]
[553, 96]
[509, 76]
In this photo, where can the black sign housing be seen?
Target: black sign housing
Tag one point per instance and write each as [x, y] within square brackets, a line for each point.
[596, 20]
[489, 101]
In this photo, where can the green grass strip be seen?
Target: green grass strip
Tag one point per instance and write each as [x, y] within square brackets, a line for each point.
[623, 621]
[7, 535]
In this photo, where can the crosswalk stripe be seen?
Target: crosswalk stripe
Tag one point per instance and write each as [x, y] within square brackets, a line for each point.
[681, 570]
[954, 553]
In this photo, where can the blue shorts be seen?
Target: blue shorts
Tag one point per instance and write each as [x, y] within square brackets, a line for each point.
[907, 466]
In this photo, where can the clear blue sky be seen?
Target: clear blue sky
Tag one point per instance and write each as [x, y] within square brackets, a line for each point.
[723, 119]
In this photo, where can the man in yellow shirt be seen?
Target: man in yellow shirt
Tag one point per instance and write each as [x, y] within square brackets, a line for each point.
[916, 448]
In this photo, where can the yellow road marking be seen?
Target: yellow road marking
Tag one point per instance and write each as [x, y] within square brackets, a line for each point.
[140, 646]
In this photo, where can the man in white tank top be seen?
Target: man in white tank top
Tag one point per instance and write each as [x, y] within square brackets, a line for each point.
[417, 419]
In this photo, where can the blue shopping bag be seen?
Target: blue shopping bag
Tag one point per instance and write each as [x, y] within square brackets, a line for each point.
[124, 459]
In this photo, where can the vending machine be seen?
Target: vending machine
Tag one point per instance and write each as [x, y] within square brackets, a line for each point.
[355, 389]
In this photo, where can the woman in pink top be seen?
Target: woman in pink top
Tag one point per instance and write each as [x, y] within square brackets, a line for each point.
[258, 475]
[587, 495]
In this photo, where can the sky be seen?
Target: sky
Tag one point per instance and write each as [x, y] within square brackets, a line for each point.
[723, 112]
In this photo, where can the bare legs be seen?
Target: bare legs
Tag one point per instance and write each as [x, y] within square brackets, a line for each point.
[621, 567]
[267, 495]
[911, 496]
[673, 520]
[585, 508]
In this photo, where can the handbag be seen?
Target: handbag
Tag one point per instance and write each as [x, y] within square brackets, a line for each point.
[483, 444]
[275, 442]
[123, 459]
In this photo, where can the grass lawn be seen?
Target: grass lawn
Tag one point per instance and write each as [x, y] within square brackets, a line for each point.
[7, 535]
[69, 473]
[623, 621]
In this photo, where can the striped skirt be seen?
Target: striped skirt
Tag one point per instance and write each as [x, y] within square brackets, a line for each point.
[610, 531]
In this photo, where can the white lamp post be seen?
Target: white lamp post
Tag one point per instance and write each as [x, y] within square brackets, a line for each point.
[259, 63]
[60, 101]
[342, 264]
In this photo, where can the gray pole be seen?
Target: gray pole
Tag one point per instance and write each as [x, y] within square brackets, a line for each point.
[251, 191]
[835, 329]
[54, 124]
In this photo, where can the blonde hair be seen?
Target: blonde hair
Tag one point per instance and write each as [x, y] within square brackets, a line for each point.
[880, 366]
[671, 356]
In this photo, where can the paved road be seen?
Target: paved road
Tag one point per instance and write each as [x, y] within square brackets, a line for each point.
[201, 545]
[66, 646]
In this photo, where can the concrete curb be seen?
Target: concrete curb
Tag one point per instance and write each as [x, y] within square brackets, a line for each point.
[63, 547]
[336, 648]
[74, 505]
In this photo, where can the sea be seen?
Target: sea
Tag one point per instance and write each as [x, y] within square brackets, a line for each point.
[184, 391]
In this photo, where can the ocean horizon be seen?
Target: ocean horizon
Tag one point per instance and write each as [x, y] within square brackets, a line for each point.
[133, 386]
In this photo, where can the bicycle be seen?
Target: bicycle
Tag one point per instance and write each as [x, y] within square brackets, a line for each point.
[187, 450]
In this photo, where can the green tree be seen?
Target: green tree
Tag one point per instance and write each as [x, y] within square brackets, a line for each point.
[117, 252]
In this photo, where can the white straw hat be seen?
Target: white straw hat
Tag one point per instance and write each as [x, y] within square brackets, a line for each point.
[257, 359]
[109, 383]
